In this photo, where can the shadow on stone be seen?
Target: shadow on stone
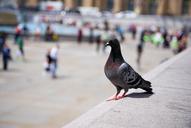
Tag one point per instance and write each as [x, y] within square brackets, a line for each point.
[139, 95]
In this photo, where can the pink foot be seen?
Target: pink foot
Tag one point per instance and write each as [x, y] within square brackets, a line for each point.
[121, 97]
[112, 98]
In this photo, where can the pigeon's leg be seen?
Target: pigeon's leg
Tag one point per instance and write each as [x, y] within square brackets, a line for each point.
[124, 94]
[115, 97]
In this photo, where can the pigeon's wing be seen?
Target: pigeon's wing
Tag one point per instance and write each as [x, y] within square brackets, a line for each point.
[128, 76]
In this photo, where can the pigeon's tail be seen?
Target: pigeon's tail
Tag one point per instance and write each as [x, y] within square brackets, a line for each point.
[146, 85]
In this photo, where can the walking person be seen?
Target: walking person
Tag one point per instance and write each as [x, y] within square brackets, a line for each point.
[139, 54]
[106, 25]
[158, 38]
[183, 40]
[166, 39]
[3, 37]
[6, 56]
[79, 36]
[98, 42]
[183, 43]
[91, 36]
[140, 48]
[133, 31]
[17, 34]
[120, 31]
[48, 33]
[105, 38]
[25, 31]
[174, 44]
[48, 61]
[20, 43]
[54, 61]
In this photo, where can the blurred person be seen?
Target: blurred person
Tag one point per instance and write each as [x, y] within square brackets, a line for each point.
[166, 39]
[54, 60]
[106, 25]
[80, 36]
[97, 26]
[174, 44]
[48, 34]
[3, 37]
[183, 43]
[17, 33]
[113, 34]
[182, 33]
[147, 36]
[139, 53]
[105, 37]
[182, 39]
[48, 61]
[157, 38]
[142, 37]
[140, 46]
[25, 30]
[37, 33]
[20, 43]
[91, 35]
[120, 31]
[133, 31]
[6, 56]
[98, 41]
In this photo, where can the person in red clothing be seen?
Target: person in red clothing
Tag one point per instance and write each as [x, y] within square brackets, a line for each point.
[80, 35]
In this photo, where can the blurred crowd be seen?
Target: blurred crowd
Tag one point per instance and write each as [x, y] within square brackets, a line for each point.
[176, 40]
[99, 33]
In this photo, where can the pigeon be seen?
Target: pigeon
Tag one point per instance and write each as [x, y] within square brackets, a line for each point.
[121, 74]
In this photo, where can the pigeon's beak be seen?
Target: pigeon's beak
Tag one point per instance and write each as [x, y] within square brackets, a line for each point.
[107, 44]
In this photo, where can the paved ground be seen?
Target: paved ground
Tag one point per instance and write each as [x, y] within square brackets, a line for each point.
[168, 107]
[29, 98]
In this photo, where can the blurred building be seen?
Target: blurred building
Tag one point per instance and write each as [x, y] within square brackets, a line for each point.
[159, 7]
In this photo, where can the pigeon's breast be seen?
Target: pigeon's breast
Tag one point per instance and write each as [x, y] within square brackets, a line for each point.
[111, 70]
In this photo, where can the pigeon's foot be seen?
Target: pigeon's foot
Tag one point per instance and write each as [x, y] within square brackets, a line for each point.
[112, 98]
[116, 97]
[121, 97]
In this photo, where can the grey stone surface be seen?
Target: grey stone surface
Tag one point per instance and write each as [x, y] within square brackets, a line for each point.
[30, 98]
[8, 126]
[168, 107]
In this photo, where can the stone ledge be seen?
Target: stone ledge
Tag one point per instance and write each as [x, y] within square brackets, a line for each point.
[169, 106]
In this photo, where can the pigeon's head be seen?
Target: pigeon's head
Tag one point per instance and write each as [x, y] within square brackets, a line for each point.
[114, 44]
[115, 49]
